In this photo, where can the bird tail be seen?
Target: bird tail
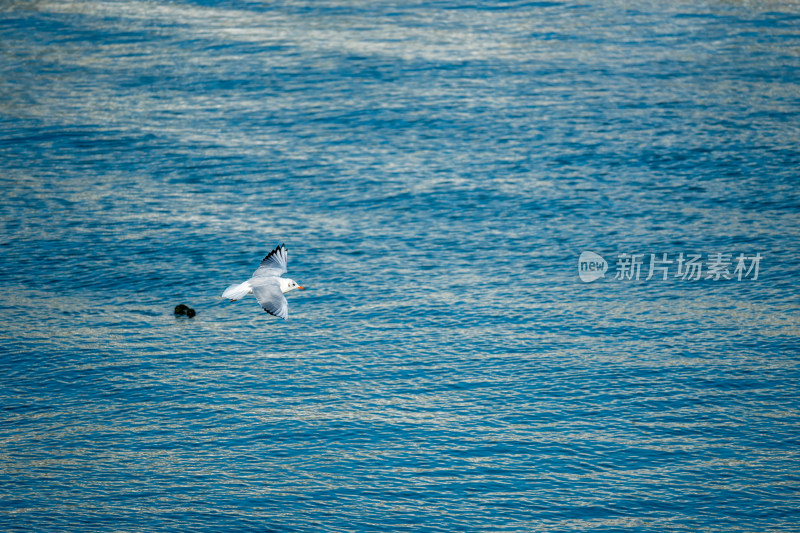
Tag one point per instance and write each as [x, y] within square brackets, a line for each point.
[234, 292]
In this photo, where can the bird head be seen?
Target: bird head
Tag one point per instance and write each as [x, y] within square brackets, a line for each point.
[289, 285]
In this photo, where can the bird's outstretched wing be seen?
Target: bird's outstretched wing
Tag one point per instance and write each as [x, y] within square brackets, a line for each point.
[272, 300]
[272, 265]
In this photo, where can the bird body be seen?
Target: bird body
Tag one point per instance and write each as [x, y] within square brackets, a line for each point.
[267, 284]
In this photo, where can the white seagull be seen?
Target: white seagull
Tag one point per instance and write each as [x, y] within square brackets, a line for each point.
[267, 284]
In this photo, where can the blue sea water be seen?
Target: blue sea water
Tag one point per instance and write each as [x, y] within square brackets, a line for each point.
[435, 170]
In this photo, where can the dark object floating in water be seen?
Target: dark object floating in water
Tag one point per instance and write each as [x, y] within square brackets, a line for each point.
[181, 310]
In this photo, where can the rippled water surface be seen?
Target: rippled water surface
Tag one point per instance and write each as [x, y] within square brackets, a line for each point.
[435, 170]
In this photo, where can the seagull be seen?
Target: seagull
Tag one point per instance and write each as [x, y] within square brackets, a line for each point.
[267, 284]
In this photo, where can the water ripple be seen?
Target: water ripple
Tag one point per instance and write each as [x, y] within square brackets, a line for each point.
[435, 171]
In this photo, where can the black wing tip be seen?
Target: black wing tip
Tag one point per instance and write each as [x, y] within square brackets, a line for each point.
[275, 251]
[273, 314]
